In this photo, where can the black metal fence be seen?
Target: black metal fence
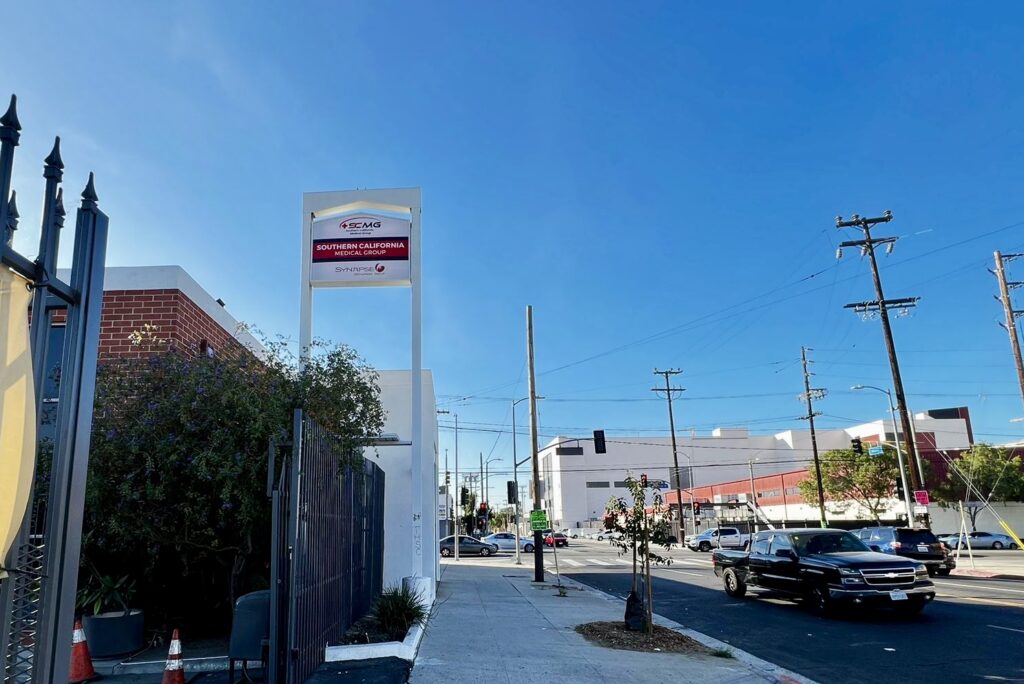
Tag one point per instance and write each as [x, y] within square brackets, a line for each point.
[37, 599]
[327, 556]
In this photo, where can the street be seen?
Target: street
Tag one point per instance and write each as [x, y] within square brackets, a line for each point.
[973, 631]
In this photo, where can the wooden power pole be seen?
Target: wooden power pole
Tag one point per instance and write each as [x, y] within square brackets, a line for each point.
[1011, 314]
[669, 391]
[881, 306]
[538, 546]
[809, 395]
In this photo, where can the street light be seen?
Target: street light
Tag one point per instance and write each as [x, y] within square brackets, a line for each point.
[899, 454]
[455, 532]
[515, 471]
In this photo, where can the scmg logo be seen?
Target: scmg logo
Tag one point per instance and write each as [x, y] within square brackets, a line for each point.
[359, 223]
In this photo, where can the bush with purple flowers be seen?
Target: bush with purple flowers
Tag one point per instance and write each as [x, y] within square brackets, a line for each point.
[176, 494]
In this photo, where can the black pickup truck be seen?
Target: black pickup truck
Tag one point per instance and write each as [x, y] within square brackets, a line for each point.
[825, 568]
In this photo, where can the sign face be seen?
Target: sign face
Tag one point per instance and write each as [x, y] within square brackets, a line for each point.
[875, 451]
[360, 249]
[662, 484]
[921, 496]
[539, 520]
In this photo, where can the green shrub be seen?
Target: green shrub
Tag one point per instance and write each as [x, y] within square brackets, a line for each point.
[397, 610]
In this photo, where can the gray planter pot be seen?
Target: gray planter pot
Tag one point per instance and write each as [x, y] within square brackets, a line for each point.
[115, 633]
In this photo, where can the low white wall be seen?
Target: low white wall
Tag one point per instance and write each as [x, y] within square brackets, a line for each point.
[948, 519]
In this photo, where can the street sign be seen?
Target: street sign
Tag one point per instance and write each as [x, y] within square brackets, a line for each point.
[539, 520]
[921, 496]
[662, 484]
[876, 451]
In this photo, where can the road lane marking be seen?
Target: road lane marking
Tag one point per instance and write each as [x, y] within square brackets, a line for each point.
[980, 600]
[683, 572]
[575, 564]
[1008, 629]
[598, 562]
[623, 561]
[976, 587]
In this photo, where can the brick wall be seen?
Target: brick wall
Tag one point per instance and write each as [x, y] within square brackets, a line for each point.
[174, 316]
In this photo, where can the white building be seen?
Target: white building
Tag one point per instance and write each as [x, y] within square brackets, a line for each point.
[577, 483]
[399, 541]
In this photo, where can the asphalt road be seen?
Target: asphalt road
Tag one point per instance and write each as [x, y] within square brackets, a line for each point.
[974, 631]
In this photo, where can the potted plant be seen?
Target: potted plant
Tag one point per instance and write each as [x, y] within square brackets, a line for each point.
[111, 627]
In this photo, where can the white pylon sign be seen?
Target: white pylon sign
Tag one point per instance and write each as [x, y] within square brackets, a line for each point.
[370, 238]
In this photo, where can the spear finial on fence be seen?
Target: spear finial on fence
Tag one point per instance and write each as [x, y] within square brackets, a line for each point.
[89, 194]
[12, 218]
[10, 119]
[53, 160]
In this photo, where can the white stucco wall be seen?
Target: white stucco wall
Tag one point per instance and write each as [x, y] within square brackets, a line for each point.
[399, 545]
[724, 455]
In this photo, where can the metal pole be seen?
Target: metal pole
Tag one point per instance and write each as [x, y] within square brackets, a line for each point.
[753, 492]
[899, 459]
[538, 549]
[515, 477]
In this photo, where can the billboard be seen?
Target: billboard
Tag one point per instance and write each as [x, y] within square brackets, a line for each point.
[360, 248]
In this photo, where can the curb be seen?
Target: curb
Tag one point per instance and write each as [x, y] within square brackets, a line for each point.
[771, 671]
[987, 574]
[406, 649]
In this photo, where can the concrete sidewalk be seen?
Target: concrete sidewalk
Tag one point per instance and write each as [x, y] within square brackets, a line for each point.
[492, 624]
[1004, 564]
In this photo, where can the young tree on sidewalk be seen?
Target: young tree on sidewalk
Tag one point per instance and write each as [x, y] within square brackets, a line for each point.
[640, 528]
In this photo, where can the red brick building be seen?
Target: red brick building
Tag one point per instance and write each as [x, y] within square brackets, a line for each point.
[170, 301]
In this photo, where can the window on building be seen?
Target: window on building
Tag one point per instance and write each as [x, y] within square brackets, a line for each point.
[620, 483]
[597, 485]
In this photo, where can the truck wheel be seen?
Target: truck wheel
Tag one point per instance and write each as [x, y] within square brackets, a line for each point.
[818, 601]
[734, 586]
[705, 546]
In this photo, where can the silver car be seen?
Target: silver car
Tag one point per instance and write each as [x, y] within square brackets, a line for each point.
[506, 541]
[980, 540]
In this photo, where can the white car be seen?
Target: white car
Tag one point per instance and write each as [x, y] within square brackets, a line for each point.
[506, 541]
[724, 538]
[980, 540]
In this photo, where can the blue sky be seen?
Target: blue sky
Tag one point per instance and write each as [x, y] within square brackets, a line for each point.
[658, 179]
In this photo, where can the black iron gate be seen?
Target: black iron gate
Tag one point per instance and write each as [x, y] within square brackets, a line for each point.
[37, 599]
[327, 550]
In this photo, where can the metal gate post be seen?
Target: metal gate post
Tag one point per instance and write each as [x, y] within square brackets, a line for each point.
[71, 449]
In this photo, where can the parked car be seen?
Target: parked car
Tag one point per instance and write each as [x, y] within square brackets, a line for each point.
[825, 568]
[979, 540]
[722, 538]
[469, 546]
[916, 544]
[575, 532]
[506, 541]
[555, 539]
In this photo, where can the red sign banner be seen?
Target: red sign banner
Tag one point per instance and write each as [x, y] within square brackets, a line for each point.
[921, 496]
[362, 249]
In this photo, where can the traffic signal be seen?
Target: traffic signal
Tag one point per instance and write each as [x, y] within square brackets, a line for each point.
[464, 496]
[447, 479]
[643, 479]
[857, 446]
[696, 507]
[599, 445]
[513, 495]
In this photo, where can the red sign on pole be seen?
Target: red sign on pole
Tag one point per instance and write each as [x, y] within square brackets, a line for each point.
[921, 496]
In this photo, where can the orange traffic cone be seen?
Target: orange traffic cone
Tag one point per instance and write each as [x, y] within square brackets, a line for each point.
[81, 669]
[174, 673]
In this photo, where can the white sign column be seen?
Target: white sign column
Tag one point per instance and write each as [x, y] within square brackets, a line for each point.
[370, 238]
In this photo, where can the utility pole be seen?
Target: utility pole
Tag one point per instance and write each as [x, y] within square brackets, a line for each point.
[669, 392]
[881, 306]
[1011, 314]
[753, 493]
[481, 478]
[538, 547]
[809, 395]
[515, 474]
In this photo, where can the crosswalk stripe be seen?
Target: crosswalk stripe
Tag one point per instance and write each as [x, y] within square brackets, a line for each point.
[623, 561]
[575, 564]
[598, 562]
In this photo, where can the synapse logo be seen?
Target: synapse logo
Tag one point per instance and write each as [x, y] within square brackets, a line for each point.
[379, 268]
